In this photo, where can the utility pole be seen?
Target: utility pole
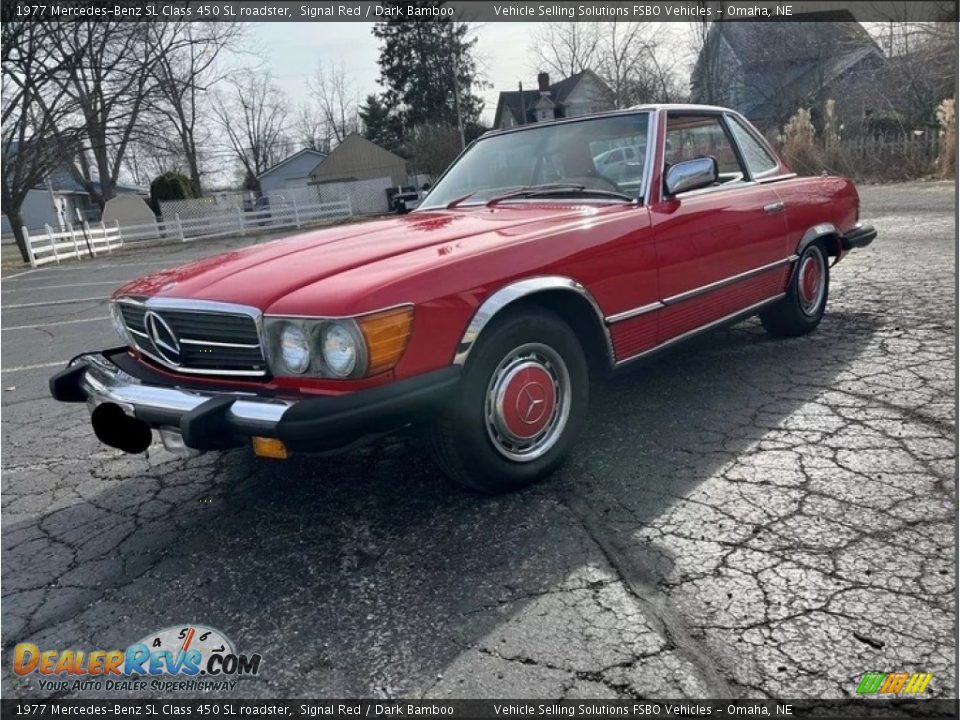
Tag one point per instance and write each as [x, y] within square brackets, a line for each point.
[456, 85]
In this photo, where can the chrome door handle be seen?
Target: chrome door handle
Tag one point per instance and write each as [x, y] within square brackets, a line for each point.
[773, 207]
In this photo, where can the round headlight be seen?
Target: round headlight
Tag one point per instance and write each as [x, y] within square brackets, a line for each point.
[339, 350]
[119, 325]
[294, 349]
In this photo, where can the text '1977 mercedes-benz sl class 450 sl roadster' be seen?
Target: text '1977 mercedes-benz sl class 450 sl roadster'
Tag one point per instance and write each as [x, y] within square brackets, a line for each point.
[545, 254]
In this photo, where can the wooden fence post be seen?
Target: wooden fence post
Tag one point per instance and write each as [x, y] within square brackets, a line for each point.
[73, 236]
[180, 227]
[53, 244]
[28, 244]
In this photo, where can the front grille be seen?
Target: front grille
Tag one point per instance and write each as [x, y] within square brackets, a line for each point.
[207, 341]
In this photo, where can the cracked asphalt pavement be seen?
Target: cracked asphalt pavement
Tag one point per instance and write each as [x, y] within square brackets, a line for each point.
[744, 517]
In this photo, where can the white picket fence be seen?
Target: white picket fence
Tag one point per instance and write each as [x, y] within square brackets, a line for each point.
[85, 241]
[91, 241]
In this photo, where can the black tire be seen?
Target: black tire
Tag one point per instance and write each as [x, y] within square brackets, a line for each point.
[530, 361]
[802, 309]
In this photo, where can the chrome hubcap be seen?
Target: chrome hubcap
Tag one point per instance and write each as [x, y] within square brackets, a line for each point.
[527, 402]
[811, 282]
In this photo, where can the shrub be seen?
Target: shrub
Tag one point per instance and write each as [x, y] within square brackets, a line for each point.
[870, 155]
[170, 186]
[800, 148]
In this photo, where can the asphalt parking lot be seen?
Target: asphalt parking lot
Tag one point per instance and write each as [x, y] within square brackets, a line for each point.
[744, 517]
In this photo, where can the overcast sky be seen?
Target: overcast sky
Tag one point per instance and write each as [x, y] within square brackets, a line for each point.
[292, 51]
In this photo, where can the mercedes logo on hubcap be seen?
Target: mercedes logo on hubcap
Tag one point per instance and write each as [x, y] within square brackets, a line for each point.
[531, 403]
[163, 338]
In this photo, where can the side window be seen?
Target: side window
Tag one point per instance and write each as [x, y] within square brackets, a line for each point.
[693, 136]
[755, 155]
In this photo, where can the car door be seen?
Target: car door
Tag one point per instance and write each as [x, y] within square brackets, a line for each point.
[720, 249]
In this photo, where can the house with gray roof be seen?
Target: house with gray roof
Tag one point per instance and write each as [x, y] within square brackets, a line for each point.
[578, 94]
[767, 70]
[61, 201]
[291, 173]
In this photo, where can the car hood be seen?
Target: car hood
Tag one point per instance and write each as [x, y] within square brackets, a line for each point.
[260, 275]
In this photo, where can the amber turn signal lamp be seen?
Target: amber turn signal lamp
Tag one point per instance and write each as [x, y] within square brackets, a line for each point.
[386, 334]
[270, 448]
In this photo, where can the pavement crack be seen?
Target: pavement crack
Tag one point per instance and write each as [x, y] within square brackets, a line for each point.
[866, 640]
[638, 579]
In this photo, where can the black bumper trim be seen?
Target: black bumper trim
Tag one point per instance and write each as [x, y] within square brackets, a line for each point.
[859, 237]
[312, 424]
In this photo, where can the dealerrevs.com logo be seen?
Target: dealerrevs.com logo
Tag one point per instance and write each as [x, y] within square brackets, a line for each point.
[896, 683]
[184, 658]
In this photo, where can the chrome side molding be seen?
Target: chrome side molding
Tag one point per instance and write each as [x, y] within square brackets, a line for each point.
[742, 313]
[689, 294]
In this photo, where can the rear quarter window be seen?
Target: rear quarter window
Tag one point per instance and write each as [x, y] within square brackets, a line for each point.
[758, 160]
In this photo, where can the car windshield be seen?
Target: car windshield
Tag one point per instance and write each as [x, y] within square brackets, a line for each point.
[603, 156]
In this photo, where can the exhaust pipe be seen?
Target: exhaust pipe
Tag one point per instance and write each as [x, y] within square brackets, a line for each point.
[115, 428]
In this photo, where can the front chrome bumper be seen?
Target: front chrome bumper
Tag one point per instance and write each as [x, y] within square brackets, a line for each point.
[102, 381]
[208, 420]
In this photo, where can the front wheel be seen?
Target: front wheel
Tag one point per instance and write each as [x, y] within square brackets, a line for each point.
[802, 308]
[521, 405]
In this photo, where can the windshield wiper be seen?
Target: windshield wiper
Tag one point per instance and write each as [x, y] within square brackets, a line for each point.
[557, 189]
[456, 201]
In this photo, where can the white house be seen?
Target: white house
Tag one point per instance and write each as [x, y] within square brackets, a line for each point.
[61, 202]
[292, 173]
[579, 94]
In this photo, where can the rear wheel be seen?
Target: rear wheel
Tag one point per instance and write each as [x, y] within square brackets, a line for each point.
[522, 403]
[802, 308]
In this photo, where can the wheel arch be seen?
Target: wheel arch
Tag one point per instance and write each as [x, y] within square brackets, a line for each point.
[562, 295]
[828, 233]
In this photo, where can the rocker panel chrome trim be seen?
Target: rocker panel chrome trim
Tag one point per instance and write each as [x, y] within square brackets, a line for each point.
[679, 297]
[743, 312]
[689, 294]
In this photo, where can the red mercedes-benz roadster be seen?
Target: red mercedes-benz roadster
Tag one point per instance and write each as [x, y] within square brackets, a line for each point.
[545, 254]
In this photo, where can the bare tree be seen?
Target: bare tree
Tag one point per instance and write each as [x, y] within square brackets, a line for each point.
[34, 114]
[184, 73]
[630, 60]
[252, 113]
[567, 48]
[310, 129]
[921, 66]
[147, 157]
[110, 84]
[710, 79]
[627, 56]
[336, 100]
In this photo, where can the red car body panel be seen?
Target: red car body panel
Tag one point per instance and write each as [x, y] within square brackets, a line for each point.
[447, 262]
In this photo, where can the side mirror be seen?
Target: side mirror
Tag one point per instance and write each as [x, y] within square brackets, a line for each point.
[692, 174]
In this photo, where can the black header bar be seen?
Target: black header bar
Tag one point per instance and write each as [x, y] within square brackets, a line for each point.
[492, 11]
[214, 707]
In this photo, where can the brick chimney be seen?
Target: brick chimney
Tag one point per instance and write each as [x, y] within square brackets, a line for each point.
[543, 81]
